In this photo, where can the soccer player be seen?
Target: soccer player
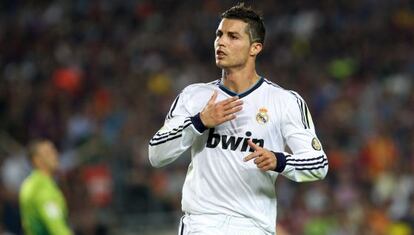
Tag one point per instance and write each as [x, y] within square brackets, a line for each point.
[42, 205]
[237, 128]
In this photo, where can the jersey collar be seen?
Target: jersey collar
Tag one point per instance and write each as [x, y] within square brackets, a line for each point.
[243, 94]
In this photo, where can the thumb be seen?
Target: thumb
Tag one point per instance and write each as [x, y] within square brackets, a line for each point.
[213, 97]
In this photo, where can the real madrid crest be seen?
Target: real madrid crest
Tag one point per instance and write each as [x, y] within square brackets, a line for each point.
[316, 144]
[262, 117]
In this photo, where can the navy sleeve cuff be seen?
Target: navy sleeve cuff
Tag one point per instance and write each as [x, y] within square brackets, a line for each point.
[281, 161]
[198, 124]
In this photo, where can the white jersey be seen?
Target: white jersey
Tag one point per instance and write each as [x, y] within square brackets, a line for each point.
[218, 181]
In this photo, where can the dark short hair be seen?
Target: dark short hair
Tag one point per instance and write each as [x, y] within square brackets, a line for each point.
[256, 29]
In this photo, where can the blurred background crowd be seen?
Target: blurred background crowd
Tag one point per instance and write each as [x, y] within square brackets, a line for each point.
[97, 77]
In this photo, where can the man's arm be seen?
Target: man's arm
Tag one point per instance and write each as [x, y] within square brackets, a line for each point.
[53, 216]
[308, 161]
[177, 134]
[180, 129]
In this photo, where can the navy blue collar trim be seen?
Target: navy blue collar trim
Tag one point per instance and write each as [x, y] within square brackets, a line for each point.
[241, 95]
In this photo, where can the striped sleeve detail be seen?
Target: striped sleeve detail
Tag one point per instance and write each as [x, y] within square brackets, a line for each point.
[303, 107]
[272, 83]
[304, 111]
[181, 227]
[308, 163]
[160, 138]
[170, 113]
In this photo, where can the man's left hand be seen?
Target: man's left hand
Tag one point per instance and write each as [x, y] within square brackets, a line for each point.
[264, 159]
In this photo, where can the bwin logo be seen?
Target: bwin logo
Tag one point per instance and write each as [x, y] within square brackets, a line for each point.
[231, 142]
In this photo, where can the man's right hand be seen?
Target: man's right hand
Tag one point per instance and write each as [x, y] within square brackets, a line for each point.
[215, 114]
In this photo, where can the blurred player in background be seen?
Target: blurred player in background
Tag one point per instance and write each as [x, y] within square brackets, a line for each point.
[42, 205]
[237, 128]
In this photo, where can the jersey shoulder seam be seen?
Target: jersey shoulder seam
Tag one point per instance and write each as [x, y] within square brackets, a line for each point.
[201, 84]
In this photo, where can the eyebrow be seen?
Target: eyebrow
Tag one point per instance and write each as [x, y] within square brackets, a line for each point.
[229, 32]
[234, 33]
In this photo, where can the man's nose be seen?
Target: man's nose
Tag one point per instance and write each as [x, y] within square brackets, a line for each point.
[221, 41]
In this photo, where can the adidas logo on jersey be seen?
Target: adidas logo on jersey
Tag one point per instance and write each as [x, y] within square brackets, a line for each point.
[231, 142]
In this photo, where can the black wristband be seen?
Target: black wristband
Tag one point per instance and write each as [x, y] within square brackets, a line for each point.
[281, 161]
[198, 124]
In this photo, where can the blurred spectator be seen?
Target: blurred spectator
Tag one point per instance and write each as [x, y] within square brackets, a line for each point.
[42, 205]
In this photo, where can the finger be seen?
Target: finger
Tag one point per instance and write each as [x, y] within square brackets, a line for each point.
[263, 164]
[228, 100]
[253, 145]
[232, 111]
[260, 159]
[251, 156]
[233, 104]
[226, 118]
[213, 97]
[265, 168]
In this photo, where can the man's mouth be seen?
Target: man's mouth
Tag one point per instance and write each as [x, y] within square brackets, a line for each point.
[220, 53]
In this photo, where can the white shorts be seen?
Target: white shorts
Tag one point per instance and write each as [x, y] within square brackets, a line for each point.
[217, 224]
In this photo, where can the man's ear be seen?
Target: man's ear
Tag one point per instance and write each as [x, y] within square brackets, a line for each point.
[35, 161]
[255, 48]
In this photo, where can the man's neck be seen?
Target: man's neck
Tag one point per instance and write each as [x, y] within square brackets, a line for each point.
[239, 81]
[44, 171]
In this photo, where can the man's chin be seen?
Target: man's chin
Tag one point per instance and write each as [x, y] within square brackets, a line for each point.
[220, 64]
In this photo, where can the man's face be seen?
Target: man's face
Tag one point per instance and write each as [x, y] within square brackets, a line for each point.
[232, 44]
[48, 155]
